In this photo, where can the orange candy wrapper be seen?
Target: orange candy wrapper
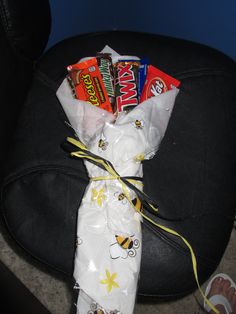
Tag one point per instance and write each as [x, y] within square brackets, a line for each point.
[86, 82]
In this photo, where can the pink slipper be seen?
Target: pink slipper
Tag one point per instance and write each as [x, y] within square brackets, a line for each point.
[219, 299]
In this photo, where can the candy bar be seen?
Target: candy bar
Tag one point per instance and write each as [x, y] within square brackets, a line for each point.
[142, 75]
[106, 68]
[87, 84]
[157, 82]
[126, 85]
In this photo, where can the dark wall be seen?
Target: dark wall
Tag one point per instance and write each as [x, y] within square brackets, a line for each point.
[211, 22]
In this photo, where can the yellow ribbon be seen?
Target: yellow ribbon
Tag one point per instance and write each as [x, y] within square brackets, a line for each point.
[115, 176]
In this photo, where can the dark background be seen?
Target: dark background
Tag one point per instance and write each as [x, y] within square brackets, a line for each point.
[210, 22]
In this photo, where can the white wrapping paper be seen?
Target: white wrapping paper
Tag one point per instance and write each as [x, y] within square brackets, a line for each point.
[109, 239]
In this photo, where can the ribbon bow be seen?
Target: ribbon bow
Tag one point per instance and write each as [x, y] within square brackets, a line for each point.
[147, 203]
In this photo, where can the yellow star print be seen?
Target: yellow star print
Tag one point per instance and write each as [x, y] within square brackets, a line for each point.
[109, 281]
[98, 196]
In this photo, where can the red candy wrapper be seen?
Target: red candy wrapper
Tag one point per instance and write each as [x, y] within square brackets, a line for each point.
[157, 82]
[86, 82]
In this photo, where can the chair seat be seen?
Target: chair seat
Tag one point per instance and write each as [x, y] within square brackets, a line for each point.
[191, 176]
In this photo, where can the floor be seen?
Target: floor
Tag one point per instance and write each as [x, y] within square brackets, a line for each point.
[54, 291]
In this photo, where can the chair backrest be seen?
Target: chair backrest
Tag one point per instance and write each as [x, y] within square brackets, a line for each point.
[24, 32]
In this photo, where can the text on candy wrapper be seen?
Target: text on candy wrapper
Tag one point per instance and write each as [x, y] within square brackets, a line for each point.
[128, 87]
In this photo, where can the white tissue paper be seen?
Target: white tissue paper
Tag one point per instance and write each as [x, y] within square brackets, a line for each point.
[109, 238]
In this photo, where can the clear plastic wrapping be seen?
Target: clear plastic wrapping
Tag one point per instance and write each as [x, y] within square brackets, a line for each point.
[109, 237]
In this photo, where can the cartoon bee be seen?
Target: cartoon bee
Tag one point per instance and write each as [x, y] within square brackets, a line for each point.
[98, 311]
[121, 197]
[124, 247]
[137, 204]
[125, 242]
[102, 144]
[139, 124]
[95, 309]
[136, 201]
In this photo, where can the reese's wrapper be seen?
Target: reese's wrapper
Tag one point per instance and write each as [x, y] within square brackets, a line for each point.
[157, 82]
[86, 82]
[126, 85]
[106, 69]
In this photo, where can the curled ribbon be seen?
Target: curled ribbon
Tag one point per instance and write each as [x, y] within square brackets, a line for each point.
[148, 204]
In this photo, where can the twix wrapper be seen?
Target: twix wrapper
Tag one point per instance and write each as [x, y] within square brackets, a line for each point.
[126, 84]
[157, 82]
[86, 82]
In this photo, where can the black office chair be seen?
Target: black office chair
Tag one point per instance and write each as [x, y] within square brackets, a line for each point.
[22, 42]
[191, 176]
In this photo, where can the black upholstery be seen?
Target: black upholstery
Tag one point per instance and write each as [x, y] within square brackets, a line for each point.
[27, 25]
[22, 40]
[191, 177]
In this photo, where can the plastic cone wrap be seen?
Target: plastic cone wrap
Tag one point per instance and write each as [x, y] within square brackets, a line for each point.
[109, 237]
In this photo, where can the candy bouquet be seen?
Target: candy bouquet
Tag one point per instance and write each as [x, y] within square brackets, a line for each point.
[119, 107]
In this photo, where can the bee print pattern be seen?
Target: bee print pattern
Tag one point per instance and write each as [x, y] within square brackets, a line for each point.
[102, 144]
[121, 197]
[137, 204]
[139, 124]
[124, 247]
[96, 309]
